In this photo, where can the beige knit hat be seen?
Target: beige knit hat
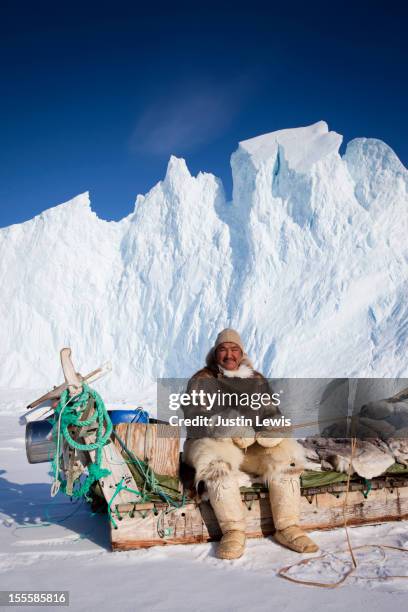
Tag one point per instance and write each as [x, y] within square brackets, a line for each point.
[229, 335]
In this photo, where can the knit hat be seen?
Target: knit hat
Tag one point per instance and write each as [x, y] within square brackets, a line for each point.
[229, 335]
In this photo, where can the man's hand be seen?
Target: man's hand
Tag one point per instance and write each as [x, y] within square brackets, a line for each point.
[244, 436]
[267, 438]
[244, 442]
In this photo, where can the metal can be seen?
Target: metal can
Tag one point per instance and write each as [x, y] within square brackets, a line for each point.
[40, 446]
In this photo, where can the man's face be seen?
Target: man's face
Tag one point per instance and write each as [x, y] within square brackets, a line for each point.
[228, 355]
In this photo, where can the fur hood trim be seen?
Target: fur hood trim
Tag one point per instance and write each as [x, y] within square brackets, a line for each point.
[244, 371]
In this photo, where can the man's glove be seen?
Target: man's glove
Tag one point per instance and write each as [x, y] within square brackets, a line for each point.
[267, 438]
[243, 436]
[244, 442]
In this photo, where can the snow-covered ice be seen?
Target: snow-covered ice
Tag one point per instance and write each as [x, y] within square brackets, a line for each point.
[309, 261]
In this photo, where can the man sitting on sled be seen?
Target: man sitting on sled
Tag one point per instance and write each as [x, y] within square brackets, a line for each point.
[218, 460]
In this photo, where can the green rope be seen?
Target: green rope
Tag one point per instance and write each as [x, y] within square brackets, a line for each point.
[120, 487]
[150, 482]
[151, 486]
[368, 485]
[68, 413]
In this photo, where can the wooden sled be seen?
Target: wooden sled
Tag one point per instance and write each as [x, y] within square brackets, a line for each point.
[197, 523]
[141, 524]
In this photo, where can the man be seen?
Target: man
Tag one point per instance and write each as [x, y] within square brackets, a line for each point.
[217, 459]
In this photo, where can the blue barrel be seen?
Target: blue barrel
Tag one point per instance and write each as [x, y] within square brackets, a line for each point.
[40, 446]
[137, 415]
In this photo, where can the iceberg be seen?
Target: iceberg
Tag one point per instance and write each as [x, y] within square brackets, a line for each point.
[309, 261]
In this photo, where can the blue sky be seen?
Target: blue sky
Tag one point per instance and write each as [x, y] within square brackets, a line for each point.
[96, 95]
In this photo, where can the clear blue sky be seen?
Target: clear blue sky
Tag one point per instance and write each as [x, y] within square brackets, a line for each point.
[97, 95]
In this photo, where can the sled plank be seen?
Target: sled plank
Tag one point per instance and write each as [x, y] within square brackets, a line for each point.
[197, 523]
[158, 444]
[113, 461]
[326, 510]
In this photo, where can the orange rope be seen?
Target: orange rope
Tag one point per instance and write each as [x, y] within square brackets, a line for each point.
[332, 585]
[353, 447]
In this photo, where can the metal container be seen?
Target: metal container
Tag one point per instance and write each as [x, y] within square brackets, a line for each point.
[40, 446]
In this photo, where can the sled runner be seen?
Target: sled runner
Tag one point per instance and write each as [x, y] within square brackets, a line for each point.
[133, 472]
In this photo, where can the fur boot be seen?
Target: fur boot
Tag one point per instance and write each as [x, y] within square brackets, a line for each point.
[296, 539]
[232, 545]
[280, 466]
[217, 462]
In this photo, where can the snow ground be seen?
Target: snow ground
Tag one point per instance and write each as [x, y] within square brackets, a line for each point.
[70, 551]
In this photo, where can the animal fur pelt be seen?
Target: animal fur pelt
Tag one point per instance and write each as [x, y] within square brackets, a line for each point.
[369, 459]
[381, 430]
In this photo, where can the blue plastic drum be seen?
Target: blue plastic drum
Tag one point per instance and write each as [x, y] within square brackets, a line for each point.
[128, 416]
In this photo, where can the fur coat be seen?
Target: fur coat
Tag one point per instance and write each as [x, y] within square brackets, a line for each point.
[213, 379]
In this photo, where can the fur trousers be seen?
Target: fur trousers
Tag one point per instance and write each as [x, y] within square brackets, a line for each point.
[218, 461]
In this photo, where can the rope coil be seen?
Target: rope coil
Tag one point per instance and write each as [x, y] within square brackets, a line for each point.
[69, 413]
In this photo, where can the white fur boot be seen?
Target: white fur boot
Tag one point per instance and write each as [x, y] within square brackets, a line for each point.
[225, 500]
[280, 462]
[284, 495]
[217, 463]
